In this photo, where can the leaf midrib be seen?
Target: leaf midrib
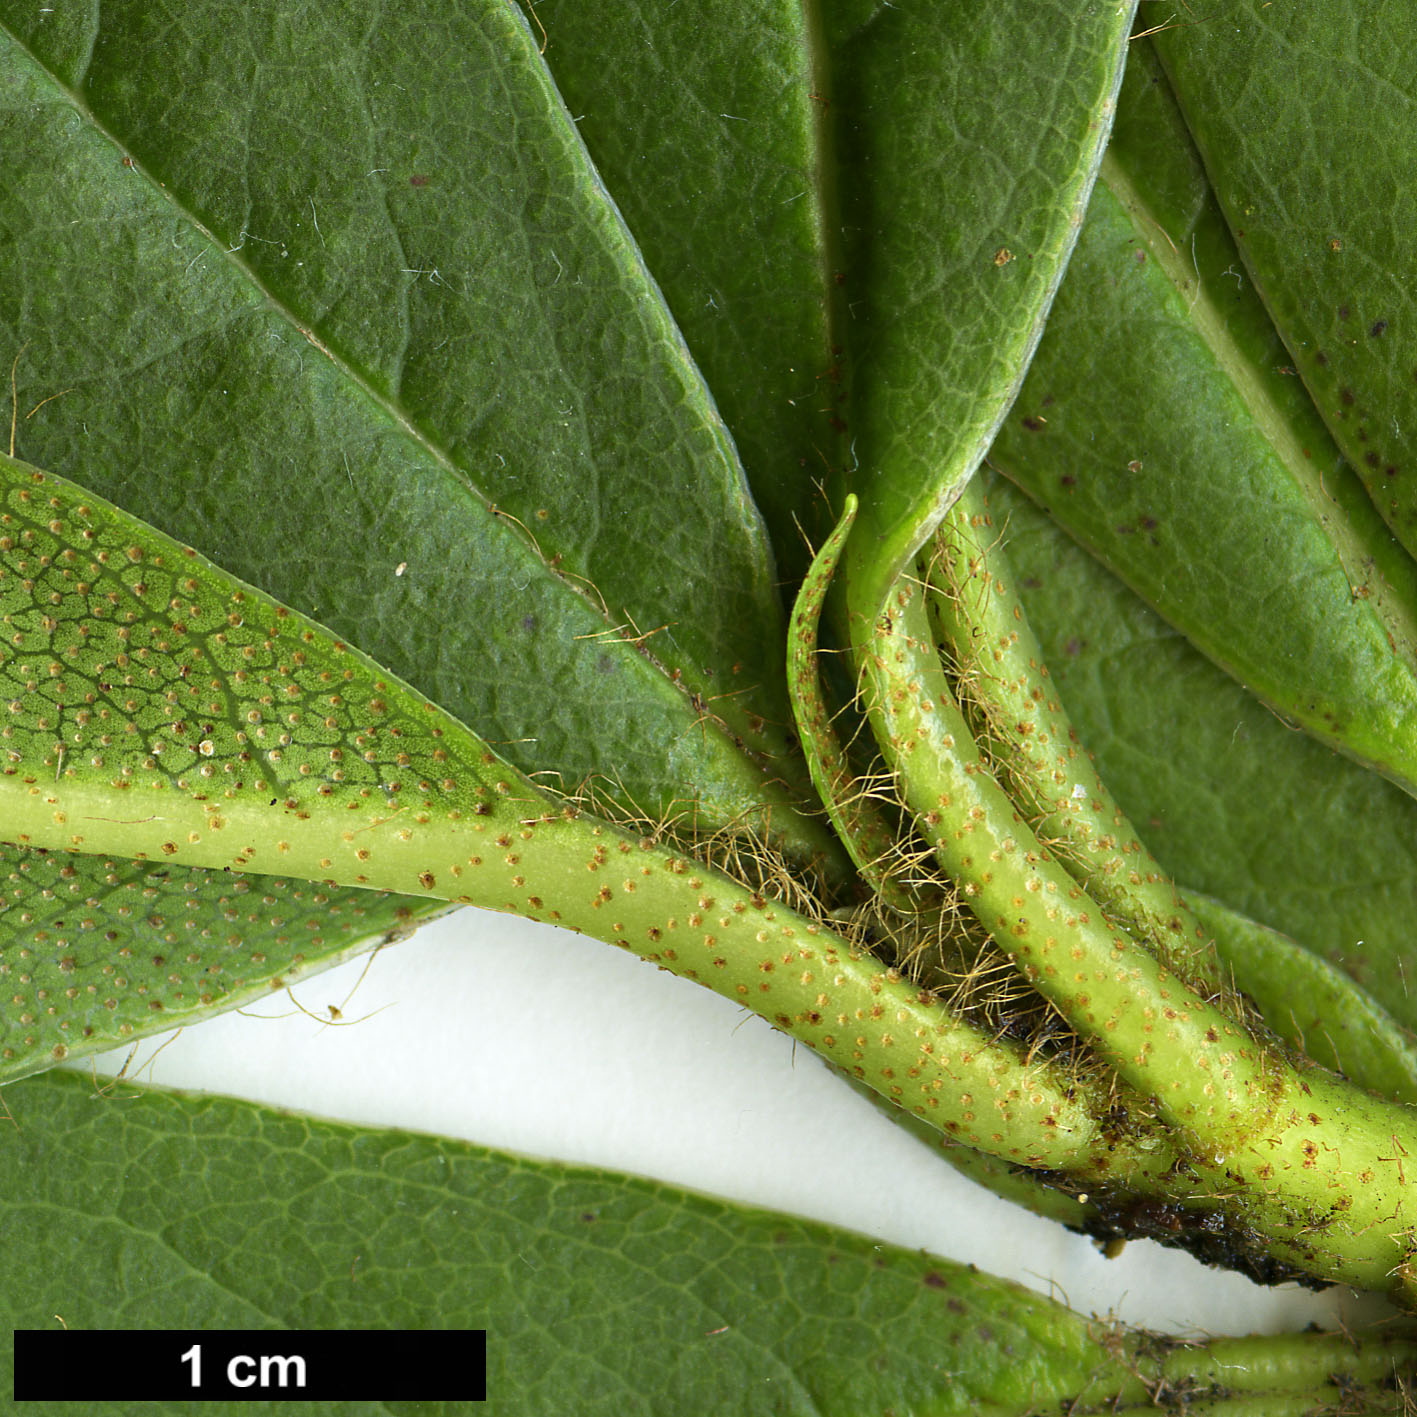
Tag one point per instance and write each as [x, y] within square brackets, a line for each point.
[682, 686]
[1210, 326]
[827, 209]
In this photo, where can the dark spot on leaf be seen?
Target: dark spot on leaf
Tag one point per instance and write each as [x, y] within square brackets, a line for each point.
[1371, 459]
[529, 623]
[1073, 646]
[1125, 529]
[1034, 425]
[1320, 358]
[1150, 523]
[1389, 471]
[955, 1306]
[1048, 400]
[587, 1216]
[418, 180]
[935, 1280]
[1346, 395]
[1031, 582]
[604, 665]
[1378, 327]
[1344, 312]
[1068, 480]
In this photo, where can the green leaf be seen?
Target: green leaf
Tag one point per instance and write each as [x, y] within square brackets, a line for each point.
[1184, 453]
[161, 709]
[823, 143]
[409, 375]
[1312, 1005]
[97, 952]
[713, 139]
[600, 1293]
[452, 413]
[1232, 801]
[1326, 227]
[968, 139]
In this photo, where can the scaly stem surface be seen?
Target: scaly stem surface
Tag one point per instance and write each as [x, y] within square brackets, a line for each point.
[1001, 676]
[974, 609]
[1317, 1164]
[157, 708]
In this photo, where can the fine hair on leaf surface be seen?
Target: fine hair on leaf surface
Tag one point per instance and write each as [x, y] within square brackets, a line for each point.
[896, 514]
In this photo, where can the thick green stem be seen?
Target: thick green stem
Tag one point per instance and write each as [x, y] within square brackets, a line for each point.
[975, 611]
[1320, 1165]
[1306, 1375]
[999, 667]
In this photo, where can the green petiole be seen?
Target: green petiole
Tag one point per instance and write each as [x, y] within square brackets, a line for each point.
[1319, 1165]
[973, 608]
[858, 820]
[158, 709]
[1031, 739]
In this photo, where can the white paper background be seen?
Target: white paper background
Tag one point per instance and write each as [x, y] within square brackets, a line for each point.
[525, 1037]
